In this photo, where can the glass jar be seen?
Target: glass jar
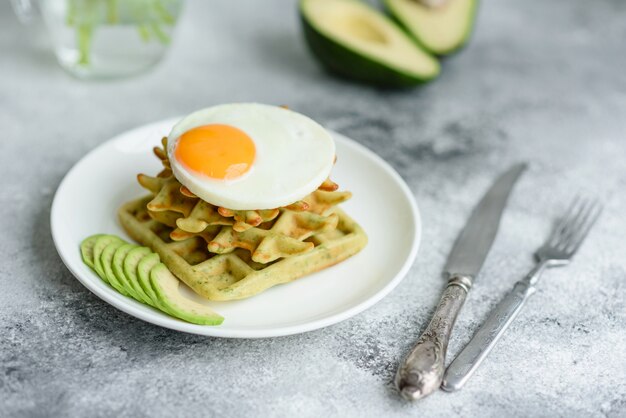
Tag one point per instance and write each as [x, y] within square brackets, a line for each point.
[107, 38]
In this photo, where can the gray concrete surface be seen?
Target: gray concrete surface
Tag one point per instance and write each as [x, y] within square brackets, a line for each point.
[540, 81]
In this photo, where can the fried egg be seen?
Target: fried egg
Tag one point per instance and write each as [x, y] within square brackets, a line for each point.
[248, 156]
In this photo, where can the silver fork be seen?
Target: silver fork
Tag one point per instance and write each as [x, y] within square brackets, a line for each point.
[557, 251]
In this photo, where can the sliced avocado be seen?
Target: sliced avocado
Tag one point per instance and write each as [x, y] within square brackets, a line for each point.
[356, 41]
[117, 265]
[440, 30]
[143, 273]
[99, 246]
[166, 287]
[131, 261]
[86, 249]
[106, 260]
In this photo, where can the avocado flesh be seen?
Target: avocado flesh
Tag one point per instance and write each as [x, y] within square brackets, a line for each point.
[166, 288]
[356, 41]
[440, 30]
[86, 249]
[143, 273]
[117, 265]
[131, 261]
[137, 272]
[101, 243]
[106, 260]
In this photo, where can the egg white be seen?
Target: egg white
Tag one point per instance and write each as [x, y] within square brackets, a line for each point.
[294, 155]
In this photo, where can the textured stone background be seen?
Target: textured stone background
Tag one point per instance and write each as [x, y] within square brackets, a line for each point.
[540, 81]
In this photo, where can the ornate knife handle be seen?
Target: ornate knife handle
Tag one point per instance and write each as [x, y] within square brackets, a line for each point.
[481, 344]
[422, 371]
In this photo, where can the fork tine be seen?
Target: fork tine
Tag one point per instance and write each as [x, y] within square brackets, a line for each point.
[575, 224]
[563, 222]
[590, 220]
[571, 230]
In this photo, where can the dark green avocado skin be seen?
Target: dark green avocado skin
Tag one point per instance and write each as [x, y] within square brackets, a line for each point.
[439, 53]
[343, 61]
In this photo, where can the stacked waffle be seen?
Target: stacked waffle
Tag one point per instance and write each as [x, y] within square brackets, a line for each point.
[227, 254]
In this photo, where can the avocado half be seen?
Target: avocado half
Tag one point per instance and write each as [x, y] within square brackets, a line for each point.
[440, 30]
[356, 41]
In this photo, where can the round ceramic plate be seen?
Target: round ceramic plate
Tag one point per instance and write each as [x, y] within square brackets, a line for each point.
[87, 200]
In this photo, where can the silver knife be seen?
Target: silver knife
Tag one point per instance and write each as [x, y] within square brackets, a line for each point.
[421, 372]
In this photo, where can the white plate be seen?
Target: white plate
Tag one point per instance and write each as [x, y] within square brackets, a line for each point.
[86, 203]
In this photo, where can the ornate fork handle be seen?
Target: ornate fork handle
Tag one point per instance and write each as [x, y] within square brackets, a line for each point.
[481, 344]
[422, 371]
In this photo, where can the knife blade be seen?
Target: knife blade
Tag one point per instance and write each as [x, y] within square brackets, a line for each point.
[473, 243]
[421, 372]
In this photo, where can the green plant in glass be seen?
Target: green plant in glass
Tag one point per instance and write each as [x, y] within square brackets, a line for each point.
[151, 17]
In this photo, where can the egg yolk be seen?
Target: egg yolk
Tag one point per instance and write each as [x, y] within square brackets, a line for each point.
[217, 151]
